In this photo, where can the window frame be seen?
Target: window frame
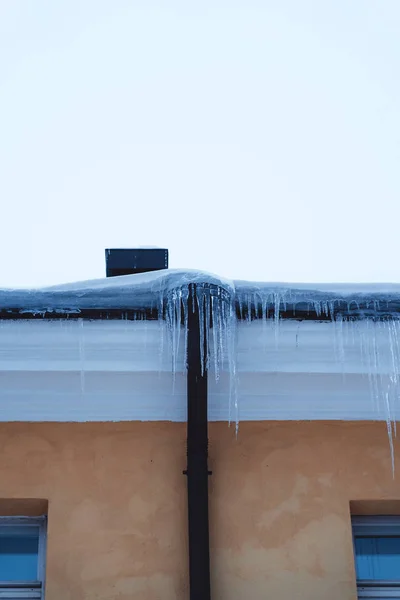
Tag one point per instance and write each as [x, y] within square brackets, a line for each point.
[376, 526]
[27, 590]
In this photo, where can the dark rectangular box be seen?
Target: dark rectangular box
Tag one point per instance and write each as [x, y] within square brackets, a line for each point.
[126, 261]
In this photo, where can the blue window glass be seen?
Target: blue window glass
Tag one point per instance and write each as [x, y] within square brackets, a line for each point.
[377, 558]
[19, 548]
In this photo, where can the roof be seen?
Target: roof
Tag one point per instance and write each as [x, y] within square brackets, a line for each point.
[148, 292]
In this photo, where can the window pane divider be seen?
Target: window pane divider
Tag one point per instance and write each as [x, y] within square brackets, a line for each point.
[378, 583]
[20, 584]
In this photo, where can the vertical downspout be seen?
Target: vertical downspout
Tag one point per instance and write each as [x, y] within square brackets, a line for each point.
[197, 454]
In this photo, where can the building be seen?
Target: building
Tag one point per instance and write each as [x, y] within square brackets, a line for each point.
[94, 390]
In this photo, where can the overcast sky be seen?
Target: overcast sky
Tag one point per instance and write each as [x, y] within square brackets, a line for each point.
[256, 139]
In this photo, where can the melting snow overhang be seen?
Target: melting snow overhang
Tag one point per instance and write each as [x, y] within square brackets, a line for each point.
[78, 352]
[147, 293]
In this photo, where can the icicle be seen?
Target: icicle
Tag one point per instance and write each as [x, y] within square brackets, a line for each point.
[216, 332]
[174, 326]
[240, 308]
[185, 304]
[394, 327]
[81, 356]
[264, 320]
[277, 305]
[161, 325]
[178, 324]
[201, 308]
[231, 340]
[317, 307]
[256, 303]
[339, 336]
[176, 318]
[381, 392]
[207, 302]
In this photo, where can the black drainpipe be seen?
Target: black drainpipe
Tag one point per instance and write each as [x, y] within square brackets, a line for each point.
[197, 457]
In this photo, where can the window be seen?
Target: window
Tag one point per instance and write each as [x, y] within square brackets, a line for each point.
[377, 556]
[22, 558]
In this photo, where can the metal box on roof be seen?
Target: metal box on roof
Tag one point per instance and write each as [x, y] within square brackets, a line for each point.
[126, 261]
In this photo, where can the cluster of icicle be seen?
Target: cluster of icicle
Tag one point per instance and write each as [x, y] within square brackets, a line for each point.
[217, 323]
[367, 321]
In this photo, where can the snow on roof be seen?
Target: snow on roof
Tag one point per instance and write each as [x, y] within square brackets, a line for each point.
[149, 290]
[139, 291]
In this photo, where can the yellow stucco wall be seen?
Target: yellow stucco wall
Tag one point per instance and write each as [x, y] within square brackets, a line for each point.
[279, 506]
